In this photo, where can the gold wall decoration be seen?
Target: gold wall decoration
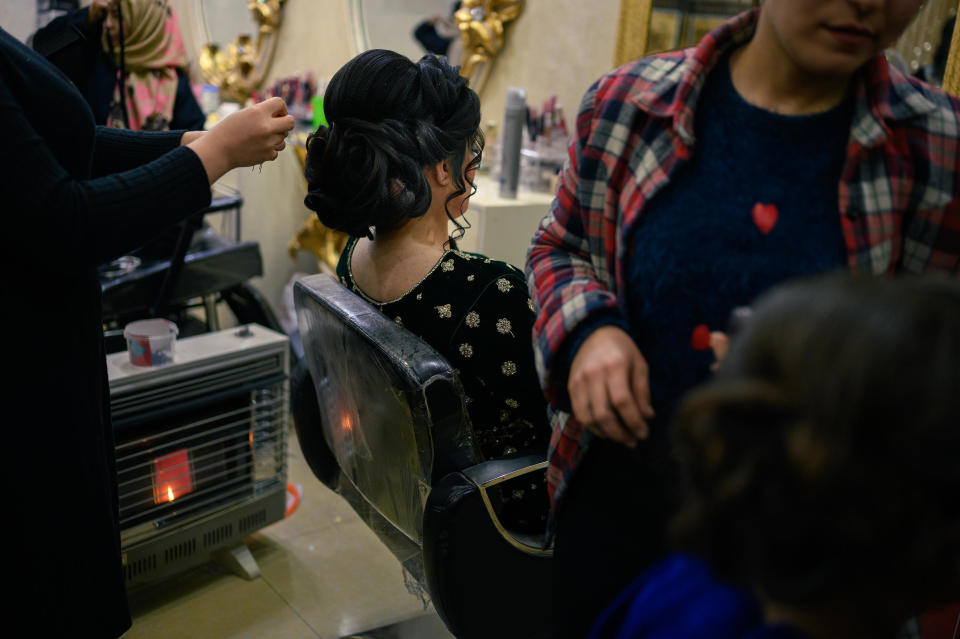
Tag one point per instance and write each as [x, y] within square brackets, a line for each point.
[481, 24]
[633, 29]
[951, 76]
[239, 68]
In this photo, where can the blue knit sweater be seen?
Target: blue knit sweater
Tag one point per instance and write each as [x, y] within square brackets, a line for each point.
[755, 206]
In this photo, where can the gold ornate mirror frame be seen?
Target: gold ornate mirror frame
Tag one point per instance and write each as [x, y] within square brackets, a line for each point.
[239, 68]
[633, 40]
[481, 24]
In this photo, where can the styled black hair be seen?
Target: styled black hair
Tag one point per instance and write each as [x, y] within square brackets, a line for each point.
[388, 118]
[822, 462]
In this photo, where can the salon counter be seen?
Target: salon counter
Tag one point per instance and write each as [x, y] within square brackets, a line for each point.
[502, 228]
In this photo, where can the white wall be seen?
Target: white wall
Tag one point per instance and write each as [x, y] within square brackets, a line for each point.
[556, 46]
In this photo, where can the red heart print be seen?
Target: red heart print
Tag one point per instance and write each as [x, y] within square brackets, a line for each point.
[765, 216]
[700, 339]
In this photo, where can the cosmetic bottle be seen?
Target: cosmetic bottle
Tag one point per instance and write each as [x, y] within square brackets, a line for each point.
[511, 141]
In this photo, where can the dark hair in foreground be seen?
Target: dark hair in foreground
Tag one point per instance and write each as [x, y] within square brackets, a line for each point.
[389, 117]
[823, 461]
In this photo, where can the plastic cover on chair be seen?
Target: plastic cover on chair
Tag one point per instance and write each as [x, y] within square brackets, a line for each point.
[380, 439]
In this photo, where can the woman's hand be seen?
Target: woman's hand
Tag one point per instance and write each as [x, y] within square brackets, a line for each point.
[99, 10]
[609, 388]
[720, 344]
[250, 136]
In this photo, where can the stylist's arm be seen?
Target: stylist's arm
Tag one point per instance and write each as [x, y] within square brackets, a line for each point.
[250, 136]
[609, 388]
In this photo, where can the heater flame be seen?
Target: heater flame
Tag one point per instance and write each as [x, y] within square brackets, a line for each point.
[172, 476]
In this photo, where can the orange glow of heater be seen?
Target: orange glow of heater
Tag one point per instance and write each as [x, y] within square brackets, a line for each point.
[172, 476]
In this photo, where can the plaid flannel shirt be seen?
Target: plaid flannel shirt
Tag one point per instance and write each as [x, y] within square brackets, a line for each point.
[898, 196]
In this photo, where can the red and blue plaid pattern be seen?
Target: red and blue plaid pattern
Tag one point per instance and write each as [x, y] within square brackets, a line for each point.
[898, 195]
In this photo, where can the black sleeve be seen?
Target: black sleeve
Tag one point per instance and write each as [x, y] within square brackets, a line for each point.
[87, 222]
[118, 150]
[186, 112]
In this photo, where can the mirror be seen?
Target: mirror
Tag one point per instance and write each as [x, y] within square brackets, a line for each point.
[665, 25]
[220, 21]
[470, 33]
[391, 24]
[922, 49]
[241, 42]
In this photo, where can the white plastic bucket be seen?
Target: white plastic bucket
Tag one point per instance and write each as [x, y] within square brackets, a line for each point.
[150, 342]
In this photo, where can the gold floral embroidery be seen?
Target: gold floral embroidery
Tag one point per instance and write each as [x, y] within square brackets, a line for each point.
[447, 266]
[508, 368]
[470, 278]
[466, 350]
[444, 311]
[504, 415]
[504, 327]
[420, 297]
[512, 403]
[529, 305]
[398, 320]
[472, 319]
[504, 285]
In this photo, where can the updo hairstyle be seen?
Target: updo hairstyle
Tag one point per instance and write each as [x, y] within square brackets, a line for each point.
[388, 119]
[823, 461]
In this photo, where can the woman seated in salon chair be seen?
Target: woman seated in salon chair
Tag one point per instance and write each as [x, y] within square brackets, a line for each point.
[393, 170]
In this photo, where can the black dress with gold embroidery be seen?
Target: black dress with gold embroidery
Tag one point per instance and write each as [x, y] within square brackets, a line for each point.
[477, 313]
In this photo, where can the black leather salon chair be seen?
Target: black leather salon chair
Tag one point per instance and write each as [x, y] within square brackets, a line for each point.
[390, 414]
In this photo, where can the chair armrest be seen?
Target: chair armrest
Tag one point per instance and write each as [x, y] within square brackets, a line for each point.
[488, 474]
[485, 580]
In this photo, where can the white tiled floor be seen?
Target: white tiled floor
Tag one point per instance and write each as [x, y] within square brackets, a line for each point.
[323, 574]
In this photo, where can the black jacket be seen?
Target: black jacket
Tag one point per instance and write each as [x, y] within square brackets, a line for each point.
[72, 195]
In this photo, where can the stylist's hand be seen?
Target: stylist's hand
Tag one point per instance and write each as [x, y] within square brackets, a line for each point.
[609, 388]
[99, 10]
[720, 345]
[250, 136]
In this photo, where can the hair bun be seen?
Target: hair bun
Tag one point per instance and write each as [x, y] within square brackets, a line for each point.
[363, 174]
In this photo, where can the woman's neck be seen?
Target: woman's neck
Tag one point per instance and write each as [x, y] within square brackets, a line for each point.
[766, 77]
[428, 230]
[387, 266]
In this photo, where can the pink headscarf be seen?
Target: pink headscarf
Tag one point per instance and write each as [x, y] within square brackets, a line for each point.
[153, 50]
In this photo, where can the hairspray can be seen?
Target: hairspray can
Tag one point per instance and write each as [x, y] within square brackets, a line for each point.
[511, 142]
